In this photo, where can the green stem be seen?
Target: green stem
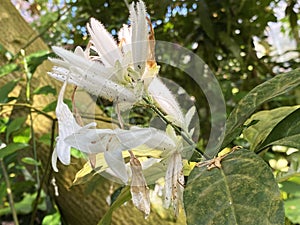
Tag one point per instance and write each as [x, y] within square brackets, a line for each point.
[34, 148]
[36, 202]
[177, 129]
[9, 193]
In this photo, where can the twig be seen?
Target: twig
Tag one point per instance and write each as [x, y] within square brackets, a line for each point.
[177, 129]
[9, 193]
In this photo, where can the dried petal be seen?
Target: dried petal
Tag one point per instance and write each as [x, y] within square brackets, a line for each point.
[139, 189]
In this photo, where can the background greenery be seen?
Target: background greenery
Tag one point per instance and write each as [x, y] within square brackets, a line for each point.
[224, 33]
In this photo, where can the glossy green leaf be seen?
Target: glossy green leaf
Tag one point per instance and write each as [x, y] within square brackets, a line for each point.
[45, 90]
[274, 87]
[123, 197]
[243, 191]
[8, 68]
[286, 132]
[6, 89]
[14, 125]
[11, 148]
[266, 121]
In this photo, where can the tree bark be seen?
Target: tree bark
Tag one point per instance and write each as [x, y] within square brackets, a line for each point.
[76, 204]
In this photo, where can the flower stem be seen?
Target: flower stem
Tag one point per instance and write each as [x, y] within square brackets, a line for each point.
[177, 129]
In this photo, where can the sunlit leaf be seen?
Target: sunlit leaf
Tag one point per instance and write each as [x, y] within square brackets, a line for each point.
[243, 191]
[52, 219]
[8, 68]
[23, 136]
[84, 175]
[14, 125]
[30, 161]
[35, 59]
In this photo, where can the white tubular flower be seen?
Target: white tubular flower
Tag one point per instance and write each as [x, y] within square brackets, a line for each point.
[67, 125]
[90, 75]
[118, 72]
[113, 142]
[174, 179]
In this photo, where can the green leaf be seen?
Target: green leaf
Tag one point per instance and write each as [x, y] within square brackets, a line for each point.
[8, 68]
[243, 191]
[45, 90]
[22, 136]
[24, 206]
[11, 148]
[266, 121]
[6, 89]
[231, 44]
[50, 107]
[204, 15]
[292, 209]
[14, 125]
[276, 86]
[35, 59]
[52, 219]
[122, 198]
[285, 133]
[30, 161]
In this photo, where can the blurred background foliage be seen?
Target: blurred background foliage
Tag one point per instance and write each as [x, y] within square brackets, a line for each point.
[244, 43]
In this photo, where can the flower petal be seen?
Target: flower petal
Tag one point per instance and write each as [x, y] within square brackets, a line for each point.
[66, 126]
[138, 188]
[54, 160]
[104, 42]
[139, 39]
[116, 162]
[166, 100]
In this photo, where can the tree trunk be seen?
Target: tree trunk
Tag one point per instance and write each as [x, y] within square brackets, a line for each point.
[76, 204]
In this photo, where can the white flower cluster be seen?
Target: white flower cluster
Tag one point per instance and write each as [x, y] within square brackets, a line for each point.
[123, 72]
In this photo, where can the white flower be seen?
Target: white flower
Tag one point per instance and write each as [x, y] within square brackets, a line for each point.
[117, 73]
[113, 142]
[90, 75]
[67, 125]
